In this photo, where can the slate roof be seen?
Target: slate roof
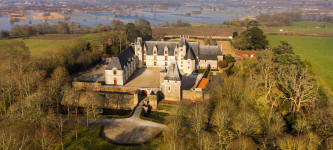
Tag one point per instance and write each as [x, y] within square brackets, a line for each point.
[195, 47]
[209, 52]
[121, 61]
[173, 72]
[160, 47]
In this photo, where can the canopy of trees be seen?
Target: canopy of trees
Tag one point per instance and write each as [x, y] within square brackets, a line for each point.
[60, 28]
[265, 104]
[31, 91]
[251, 39]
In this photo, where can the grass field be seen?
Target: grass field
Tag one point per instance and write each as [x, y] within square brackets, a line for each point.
[318, 50]
[304, 27]
[91, 138]
[40, 44]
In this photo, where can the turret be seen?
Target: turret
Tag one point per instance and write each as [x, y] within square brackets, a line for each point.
[138, 51]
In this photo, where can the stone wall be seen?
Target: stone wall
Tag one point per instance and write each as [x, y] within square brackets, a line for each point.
[118, 97]
[205, 63]
[192, 95]
[120, 101]
[172, 90]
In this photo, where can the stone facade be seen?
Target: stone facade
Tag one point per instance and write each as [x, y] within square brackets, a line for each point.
[171, 85]
[174, 59]
[120, 68]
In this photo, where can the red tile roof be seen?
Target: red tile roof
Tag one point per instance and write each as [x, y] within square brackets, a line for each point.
[203, 83]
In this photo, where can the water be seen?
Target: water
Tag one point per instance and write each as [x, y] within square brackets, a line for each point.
[156, 17]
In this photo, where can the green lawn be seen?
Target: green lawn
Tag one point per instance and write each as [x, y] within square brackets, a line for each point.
[91, 139]
[304, 27]
[318, 50]
[43, 43]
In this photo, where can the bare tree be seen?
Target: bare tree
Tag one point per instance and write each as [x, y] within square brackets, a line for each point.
[298, 86]
[91, 101]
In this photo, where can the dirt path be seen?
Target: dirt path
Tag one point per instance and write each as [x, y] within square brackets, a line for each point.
[131, 130]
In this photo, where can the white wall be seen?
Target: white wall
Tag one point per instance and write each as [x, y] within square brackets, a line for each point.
[109, 77]
[203, 64]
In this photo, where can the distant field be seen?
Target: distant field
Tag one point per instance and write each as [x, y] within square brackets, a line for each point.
[319, 50]
[40, 44]
[202, 30]
[304, 27]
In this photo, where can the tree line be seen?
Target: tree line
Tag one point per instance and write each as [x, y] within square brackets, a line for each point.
[37, 101]
[60, 28]
[272, 101]
[31, 91]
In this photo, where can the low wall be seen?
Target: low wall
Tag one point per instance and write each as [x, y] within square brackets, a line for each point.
[194, 95]
[121, 101]
[98, 87]
[119, 97]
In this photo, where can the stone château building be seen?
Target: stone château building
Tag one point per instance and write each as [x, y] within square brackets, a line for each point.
[174, 58]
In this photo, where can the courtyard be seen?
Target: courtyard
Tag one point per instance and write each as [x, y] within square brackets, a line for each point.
[145, 77]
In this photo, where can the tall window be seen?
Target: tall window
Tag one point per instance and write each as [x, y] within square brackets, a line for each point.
[154, 52]
[155, 64]
[169, 88]
[166, 58]
[166, 52]
[114, 72]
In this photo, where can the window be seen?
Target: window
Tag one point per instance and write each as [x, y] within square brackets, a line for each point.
[176, 53]
[155, 63]
[166, 58]
[166, 52]
[114, 72]
[166, 63]
[154, 52]
[169, 88]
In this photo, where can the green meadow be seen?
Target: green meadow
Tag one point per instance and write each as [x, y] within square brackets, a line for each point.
[92, 138]
[51, 42]
[304, 27]
[317, 50]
